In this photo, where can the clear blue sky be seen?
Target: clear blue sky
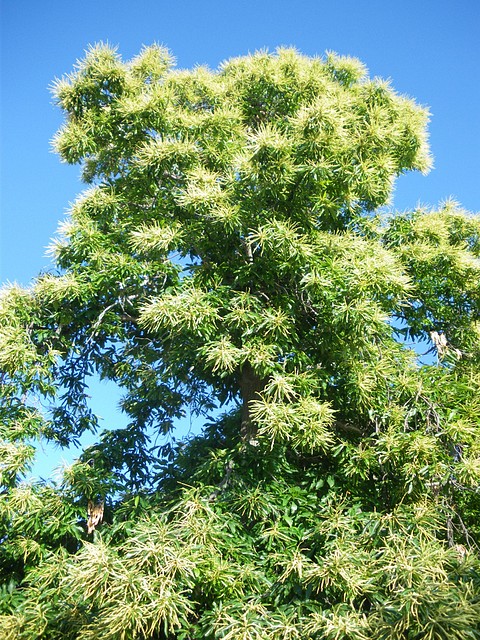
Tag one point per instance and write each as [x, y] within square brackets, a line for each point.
[429, 48]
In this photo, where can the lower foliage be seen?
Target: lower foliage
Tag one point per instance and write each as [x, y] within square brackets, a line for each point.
[296, 555]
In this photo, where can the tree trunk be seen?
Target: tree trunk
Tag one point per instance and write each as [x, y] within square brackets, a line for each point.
[250, 386]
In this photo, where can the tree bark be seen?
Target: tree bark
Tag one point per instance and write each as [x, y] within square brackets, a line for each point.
[251, 384]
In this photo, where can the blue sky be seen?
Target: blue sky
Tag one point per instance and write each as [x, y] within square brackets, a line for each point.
[429, 48]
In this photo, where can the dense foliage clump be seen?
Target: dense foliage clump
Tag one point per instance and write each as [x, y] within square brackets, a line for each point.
[233, 258]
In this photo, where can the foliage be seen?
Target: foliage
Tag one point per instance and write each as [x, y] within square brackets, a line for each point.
[233, 251]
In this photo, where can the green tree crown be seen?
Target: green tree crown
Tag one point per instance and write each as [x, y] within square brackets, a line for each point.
[234, 250]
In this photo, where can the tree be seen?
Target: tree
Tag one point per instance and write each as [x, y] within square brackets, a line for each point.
[233, 252]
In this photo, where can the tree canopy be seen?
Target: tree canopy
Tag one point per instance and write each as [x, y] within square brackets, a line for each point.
[234, 256]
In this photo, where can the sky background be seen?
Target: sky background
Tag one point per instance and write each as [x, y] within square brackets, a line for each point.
[430, 49]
